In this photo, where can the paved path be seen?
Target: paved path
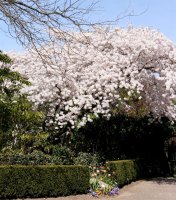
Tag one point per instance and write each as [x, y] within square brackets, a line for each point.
[155, 189]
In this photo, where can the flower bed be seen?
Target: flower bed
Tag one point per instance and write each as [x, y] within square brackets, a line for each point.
[107, 179]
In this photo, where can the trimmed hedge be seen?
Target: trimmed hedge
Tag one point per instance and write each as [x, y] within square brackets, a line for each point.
[126, 171]
[42, 181]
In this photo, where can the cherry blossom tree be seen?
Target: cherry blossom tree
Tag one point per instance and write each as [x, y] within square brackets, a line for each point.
[103, 73]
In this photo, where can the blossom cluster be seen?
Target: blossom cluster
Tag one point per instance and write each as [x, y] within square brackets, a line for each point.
[100, 71]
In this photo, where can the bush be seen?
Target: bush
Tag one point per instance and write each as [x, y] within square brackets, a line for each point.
[58, 155]
[64, 153]
[52, 154]
[126, 170]
[42, 181]
[87, 159]
[34, 158]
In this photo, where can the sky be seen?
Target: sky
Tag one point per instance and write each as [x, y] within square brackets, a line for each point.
[157, 14]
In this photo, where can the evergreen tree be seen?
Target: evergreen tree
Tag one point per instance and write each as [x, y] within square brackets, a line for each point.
[17, 114]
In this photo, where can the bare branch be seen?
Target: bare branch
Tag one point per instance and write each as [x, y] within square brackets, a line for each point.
[33, 22]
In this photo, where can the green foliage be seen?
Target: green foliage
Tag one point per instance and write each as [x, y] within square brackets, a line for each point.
[123, 137]
[125, 170]
[4, 58]
[42, 181]
[88, 159]
[33, 149]
[94, 184]
[27, 143]
[55, 154]
[65, 154]
[34, 158]
[17, 112]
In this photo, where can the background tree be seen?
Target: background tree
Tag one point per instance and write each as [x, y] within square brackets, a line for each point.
[17, 114]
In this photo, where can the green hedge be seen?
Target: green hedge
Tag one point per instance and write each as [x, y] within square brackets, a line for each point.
[126, 170]
[42, 181]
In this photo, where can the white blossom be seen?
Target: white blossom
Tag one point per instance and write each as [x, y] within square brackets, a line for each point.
[89, 76]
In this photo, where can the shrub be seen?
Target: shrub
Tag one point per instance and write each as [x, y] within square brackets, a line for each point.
[58, 155]
[87, 159]
[13, 158]
[35, 158]
[64, 153]
[126, 170]
[42, 181]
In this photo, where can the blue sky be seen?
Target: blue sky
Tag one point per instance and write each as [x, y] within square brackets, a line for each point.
[158, 14]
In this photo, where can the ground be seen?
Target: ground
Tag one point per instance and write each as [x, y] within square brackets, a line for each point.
[155, 189]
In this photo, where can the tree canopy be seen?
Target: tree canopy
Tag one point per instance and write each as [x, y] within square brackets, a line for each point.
[106, 73]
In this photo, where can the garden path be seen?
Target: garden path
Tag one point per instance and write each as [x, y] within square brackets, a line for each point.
[155, 189]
